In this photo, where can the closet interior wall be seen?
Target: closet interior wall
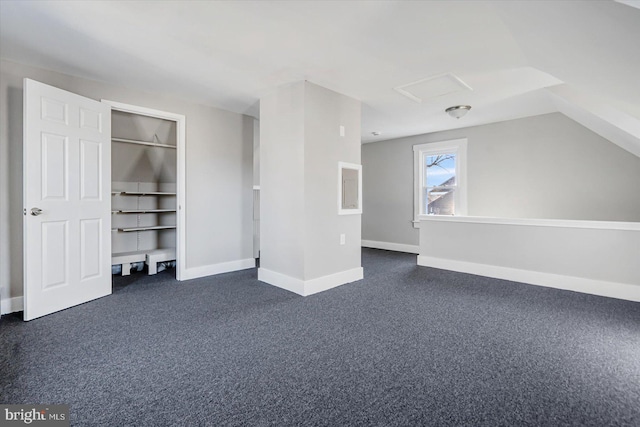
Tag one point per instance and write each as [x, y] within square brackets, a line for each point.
[143, 188]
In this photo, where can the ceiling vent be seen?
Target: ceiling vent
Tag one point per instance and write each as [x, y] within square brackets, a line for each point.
[432, 87]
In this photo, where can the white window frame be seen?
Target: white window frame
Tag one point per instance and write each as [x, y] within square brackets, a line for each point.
[457, 146]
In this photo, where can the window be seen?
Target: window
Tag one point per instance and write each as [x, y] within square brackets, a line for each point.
[440, 178]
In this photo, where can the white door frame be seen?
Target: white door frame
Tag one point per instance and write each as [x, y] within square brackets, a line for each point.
[181, 122]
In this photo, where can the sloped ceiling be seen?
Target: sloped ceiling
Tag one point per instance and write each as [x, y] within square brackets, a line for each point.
[229, 54]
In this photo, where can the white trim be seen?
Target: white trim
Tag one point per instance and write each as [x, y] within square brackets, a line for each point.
[313, 286]
[356, 167]
[436, 147]
[280, 280]
[11, 305]
[324, 283]
[181, 136]
[212, 269]
[549, 280]
[567, 223]
[459, 146]
[388, 246]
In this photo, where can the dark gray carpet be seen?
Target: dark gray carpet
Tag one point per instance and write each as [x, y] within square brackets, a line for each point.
[405, 346]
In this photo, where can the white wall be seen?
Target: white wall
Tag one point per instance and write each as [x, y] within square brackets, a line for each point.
[282, 181]
[538, 167]
[325, 112]
[300, 147]
[219, 179]
[569, 255]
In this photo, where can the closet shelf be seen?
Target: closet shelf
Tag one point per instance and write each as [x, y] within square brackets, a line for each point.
[143, 193]
[153, 227]
[134, 141]
[141, 211]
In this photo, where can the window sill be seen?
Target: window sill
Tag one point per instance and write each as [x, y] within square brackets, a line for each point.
[567, 223]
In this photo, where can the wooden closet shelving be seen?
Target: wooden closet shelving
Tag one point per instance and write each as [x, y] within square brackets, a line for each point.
[143, 190]
[143, 193]
[152, 227]
[147, 143]
[141, 211]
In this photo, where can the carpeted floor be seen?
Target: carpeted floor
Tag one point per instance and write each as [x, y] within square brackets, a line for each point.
[405, 346]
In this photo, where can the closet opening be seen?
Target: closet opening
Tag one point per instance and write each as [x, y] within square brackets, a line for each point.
[147, 214]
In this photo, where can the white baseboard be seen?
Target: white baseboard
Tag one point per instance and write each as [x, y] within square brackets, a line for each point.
[280, 280]
[212, 269]
[398, 247]
[550, 280]
[324, 283]
[309, 287]
[11, 305]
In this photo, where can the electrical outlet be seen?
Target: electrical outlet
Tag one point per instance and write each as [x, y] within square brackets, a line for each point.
[341, 130]
[343, 239]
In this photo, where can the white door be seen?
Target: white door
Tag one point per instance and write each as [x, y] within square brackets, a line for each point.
[67, 200]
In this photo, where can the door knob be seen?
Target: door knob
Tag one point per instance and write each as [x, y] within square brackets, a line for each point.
[36, 211]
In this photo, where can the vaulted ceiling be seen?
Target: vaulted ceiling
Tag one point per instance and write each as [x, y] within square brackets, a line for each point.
[515, 58]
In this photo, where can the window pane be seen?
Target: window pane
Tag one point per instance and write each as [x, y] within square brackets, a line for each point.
[440, 169]
[439, 201]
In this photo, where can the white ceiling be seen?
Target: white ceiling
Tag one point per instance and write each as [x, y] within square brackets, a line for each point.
[229, 54]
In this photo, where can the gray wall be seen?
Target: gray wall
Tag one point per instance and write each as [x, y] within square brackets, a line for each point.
[602, 256]
[325, 112]
[538, 167]
[282, 181]
[139, 163]
[300, 148]
[219, 159]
